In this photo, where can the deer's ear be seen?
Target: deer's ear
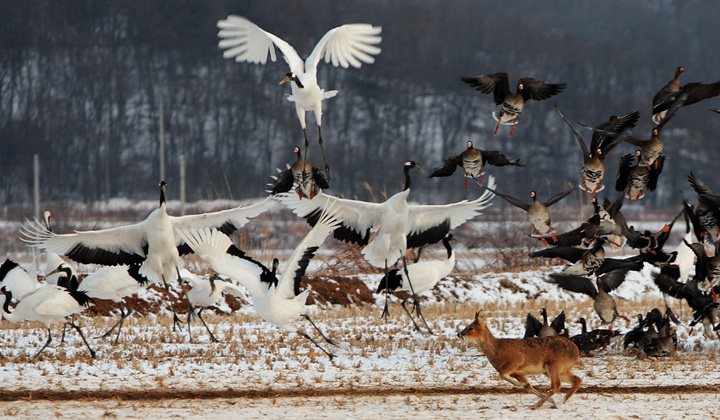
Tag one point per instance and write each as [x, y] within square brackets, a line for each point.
[477, 316]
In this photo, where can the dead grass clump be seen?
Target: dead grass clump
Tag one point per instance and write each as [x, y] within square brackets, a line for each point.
[345, 259]
[507, 284]
[337, 290]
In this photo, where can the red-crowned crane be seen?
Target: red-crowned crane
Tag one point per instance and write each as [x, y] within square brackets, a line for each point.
[347, 45]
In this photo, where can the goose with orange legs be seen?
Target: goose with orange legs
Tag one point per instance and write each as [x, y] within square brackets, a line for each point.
[472, 161]
[498, 85]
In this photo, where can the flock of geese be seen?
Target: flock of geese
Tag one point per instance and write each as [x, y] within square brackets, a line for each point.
[151, 251]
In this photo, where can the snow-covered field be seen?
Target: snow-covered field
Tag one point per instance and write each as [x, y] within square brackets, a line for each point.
[382, 369]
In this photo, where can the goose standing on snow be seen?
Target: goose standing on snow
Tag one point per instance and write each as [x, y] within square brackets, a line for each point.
[153, 243]
[399, 225]
[498, 85]
[347, 45]
[537, 213]
[424, 274]
[472, 161]
[48, 304]
[279, 302]
[310, 180]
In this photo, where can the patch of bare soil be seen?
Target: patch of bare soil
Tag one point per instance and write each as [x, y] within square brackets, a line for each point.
[332, 289]
[194, 394]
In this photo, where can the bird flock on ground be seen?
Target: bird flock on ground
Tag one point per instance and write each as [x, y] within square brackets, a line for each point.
[151, 251]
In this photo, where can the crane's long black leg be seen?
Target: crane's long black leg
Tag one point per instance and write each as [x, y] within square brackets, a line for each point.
[307, 144]
[304, 334]
[62, 337]
[49, 339]
[118, 323]
[199, 314]
[417, 256]
[329, 341]
[385, 313]
[416, 304]
[407, 274]
[176, 320]
[92, 352]
[122, 321]
[417, 328]
[320, 141]
[191, 313]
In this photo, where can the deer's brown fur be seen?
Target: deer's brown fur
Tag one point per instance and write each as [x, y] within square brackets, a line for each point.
[516, 358]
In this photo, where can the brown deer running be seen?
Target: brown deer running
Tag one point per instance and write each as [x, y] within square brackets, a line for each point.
[515, 358]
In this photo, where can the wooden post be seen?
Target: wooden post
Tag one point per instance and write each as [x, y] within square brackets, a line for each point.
[182, 185]
[162, 144]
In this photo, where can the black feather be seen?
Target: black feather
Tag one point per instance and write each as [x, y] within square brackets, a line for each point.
[391, 281]
[6, 267]
[302, 266]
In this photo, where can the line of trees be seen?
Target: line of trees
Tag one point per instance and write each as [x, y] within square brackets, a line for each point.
[81, 84]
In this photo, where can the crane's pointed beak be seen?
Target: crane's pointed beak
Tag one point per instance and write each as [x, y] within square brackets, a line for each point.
[57, 270]
[285, 80]
[420, 169]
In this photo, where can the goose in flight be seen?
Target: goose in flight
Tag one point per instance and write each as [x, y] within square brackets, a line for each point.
[674, 95]
[472, 161]
[309, 180]
[498, 85]
[537, 212]
[606, 137]
[347, 45]
[603, 303]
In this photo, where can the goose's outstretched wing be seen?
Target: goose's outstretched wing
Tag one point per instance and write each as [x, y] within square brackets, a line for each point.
[497, 84]
[575, 284]
[510, 199]
[448, 167]
[539, 90]
[586, 153]
[557, 198]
